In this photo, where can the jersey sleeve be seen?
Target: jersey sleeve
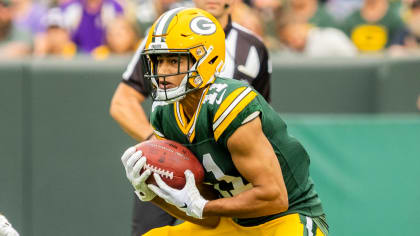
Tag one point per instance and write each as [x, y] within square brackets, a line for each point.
[239, 107]
[134, 74]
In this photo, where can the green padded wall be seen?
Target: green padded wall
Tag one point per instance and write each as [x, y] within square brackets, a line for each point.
[366, 171]
[398, 86]
[12, 166]
[323, 85]
[79, 185]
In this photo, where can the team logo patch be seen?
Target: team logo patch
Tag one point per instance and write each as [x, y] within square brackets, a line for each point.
[202, 25]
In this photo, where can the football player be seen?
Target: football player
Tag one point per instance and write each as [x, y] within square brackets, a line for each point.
[261, 174]
[246, 58]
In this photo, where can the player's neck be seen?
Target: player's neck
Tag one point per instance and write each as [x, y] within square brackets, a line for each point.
[190, 103]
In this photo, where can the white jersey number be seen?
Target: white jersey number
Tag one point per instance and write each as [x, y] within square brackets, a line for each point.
[233, 185]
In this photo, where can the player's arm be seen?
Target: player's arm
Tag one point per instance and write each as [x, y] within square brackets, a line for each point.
[255, 159]
[126, 109]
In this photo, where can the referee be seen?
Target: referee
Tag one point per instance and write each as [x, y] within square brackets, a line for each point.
[246, 59]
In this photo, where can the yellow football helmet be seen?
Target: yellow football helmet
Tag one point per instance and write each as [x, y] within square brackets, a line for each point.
[185, 31]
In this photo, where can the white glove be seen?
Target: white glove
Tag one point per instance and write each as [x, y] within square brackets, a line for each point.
[187, 199]
[133, 162]
[6, 228]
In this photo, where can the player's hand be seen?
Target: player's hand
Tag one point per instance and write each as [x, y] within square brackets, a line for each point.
[133, 162]
[187, 199]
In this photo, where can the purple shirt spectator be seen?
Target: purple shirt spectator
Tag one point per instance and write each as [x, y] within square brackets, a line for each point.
[32, 20]
[87, 25]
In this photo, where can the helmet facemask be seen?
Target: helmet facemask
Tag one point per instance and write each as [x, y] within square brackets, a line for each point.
[184, 32]
[189, 83]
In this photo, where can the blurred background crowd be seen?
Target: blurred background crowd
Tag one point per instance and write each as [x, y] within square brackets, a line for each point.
[314, 28]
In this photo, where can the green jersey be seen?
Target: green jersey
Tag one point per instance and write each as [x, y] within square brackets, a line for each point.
[373, 36]
[322, 18]
[223, 108]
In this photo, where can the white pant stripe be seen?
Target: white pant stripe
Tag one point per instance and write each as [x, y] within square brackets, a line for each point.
[309, 223]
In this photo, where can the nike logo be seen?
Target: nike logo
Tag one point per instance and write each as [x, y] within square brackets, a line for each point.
[184, 206]
[218, 101]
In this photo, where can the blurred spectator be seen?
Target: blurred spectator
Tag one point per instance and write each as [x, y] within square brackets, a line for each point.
[266, 4]
[267, 9]
[310, 11]
[408, 39]
[56, 40]
[302, 38]
[121, 38]
[258, 16]
[13, 41]
[341, 9]
[87, 20]
[147, 11]
[247, 17]
[373, 26]
[28, 14]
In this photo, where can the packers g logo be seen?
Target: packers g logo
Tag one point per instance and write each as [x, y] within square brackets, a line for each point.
[202, 25]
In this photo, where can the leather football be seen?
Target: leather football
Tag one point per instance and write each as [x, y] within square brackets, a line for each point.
[170, 160]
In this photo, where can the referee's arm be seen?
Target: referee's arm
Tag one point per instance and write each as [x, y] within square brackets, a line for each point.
[262, 83]
[126, 106]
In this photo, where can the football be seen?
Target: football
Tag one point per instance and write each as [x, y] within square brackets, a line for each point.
[170, 160]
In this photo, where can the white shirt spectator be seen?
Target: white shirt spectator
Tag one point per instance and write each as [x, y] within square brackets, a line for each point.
[328, 42]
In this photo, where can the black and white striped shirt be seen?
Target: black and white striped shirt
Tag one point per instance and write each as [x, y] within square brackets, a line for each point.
[246, 59]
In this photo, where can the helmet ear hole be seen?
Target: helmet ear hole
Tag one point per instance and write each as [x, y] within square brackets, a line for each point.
[193, 60]
[211, 62]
